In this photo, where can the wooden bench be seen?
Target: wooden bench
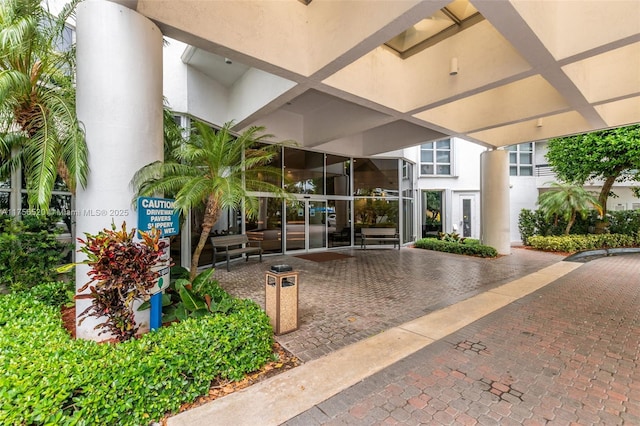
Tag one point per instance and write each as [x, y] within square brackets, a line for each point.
[231, 245]
[382, 235]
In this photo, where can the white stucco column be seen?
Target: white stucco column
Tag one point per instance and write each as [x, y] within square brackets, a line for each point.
[494, 200]
[119, 101]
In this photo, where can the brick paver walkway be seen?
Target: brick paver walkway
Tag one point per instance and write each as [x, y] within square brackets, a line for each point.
[347, 300]
[566, 354]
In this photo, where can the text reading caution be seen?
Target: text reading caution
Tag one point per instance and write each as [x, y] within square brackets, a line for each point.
[158, 213]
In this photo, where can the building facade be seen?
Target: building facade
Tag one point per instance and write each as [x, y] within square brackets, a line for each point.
[318, 74]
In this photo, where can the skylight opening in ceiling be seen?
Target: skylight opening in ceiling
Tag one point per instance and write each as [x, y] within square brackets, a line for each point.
[446, 22]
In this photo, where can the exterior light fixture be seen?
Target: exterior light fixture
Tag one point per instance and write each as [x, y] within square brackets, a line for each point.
[539, 122]
[453, 66]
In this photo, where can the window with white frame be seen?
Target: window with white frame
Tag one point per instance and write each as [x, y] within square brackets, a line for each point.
[407, 170]
[435, 158]
[521, 159]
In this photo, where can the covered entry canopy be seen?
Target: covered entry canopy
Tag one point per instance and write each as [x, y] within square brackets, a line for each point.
[359, 77]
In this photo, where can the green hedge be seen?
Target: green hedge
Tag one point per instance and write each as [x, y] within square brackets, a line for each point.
[573, 243]
[472, 249]
[48, 378]
[29, 251]
[534, 222]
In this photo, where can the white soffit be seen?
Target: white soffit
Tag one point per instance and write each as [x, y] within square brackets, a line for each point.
[506, 104]
[568, 28]
[533, 130]
[224, 71]
[483, 55]
[573, 63]
[610, 75]
[620, 113]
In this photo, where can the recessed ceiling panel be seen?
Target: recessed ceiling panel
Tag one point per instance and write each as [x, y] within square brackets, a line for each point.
[571, 27]
[512, 102]
[607, 76]
[223, 70]
[534, 130]
[326, 117]
[620, 113]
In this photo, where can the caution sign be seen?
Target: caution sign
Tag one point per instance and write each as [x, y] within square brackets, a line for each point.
[158, 213]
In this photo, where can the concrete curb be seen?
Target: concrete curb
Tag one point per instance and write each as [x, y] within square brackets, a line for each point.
[588, 255]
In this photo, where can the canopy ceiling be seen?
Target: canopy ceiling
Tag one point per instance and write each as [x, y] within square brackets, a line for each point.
[339, 76]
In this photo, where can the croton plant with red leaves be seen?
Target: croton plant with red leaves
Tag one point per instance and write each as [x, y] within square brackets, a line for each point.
[121, 272]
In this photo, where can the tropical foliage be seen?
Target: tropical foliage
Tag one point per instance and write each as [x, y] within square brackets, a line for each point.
[29, 251]
[566, 201]
[121, 272]
[192, 299]
[610, 155]
[47, 378]
[212, 169]
[39, 130]
[467, 247]
[573, 243]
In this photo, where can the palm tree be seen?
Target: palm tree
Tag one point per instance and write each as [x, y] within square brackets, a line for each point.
[39, 129]
[212, 169]
[567, 201]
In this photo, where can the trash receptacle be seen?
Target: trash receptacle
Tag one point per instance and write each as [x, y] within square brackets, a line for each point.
[281, 298]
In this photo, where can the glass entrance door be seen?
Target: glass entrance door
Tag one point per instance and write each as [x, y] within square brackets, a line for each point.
[306, 225]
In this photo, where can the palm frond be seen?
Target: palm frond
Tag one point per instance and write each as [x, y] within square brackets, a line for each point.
[193, 193]
[37, 97]
[10, 163]
[71, 137]
[210, 169]
[12, 83]
[40, 157]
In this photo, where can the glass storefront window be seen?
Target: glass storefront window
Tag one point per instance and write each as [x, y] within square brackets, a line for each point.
[267, 225]
[60, 205]
[338, 175]
[376, 212]
[339, 223]
[303, 171]
[274, 176]
[230, 222]
[5, 183]
[4, 202]
[375, 177]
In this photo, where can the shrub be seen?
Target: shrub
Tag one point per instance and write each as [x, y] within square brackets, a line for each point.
[534, 222]
[573, 243]
[120, 274]
[48, 378]
[624, 222]
[55, 294]
[29, 251]
[184, 298]
[473, 249]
